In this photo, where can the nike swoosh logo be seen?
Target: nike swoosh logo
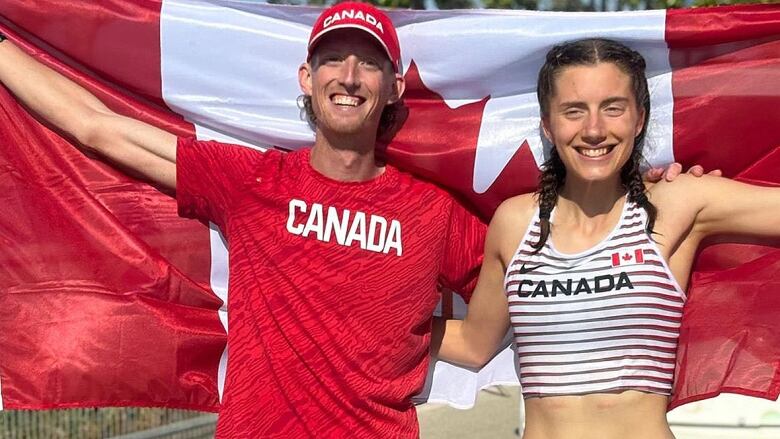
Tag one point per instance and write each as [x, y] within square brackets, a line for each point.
[524, 270]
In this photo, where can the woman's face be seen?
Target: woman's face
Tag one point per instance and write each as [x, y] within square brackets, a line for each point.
[593, 120]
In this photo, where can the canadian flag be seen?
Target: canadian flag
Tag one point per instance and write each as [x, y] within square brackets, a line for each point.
[109, 298]
[628, 258]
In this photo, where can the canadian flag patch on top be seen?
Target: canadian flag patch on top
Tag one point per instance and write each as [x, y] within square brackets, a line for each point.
[628, 258]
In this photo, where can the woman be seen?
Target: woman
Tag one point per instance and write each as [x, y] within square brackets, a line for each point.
[591, 270]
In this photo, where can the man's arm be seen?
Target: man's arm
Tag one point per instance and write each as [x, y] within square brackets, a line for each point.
[141, 147]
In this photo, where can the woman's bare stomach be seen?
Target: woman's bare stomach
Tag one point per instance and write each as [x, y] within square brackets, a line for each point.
[630, 414]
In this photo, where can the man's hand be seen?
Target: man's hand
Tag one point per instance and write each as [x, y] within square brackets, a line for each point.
[654, 175]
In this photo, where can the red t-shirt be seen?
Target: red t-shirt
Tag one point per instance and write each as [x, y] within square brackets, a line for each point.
[331, 289]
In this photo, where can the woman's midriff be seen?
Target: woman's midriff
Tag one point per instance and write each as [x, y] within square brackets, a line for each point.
[629, 414]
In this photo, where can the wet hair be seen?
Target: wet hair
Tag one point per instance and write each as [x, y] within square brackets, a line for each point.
[387, 122]
[589, 52]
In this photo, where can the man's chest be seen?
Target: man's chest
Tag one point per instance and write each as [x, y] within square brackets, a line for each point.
[341, 242]
[367, 228]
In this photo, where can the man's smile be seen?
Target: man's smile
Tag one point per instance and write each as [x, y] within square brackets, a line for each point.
[346, 100]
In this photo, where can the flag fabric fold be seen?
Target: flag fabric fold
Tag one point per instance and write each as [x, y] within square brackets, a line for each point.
[109, 297]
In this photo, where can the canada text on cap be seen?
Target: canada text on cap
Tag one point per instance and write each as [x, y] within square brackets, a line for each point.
[363, 16]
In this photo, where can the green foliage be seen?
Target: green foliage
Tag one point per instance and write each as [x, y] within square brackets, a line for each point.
[668, 4]
[401, 4]
[454, 4]
[600, 5]
[296, 2]
[420, 4]
[511, 4]
[557, 5]
[569, 5]
[730, 2]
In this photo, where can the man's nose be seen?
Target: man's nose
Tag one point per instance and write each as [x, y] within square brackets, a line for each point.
[350, 74]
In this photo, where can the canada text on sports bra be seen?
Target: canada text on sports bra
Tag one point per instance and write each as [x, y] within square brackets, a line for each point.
[601, 284]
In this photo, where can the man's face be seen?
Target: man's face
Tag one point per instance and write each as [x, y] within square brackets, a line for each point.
[350, 81]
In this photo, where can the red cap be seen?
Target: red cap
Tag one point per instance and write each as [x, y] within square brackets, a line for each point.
[363, 16]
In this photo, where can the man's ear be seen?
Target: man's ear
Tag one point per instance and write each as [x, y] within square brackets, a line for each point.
[399, 86]
[304, 78]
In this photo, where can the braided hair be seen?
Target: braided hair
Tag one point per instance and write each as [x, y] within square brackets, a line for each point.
[592, 51]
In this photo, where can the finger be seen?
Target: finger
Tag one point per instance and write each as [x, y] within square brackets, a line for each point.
[716, 173]
[653, 175]
[673, 171]
[696, 170]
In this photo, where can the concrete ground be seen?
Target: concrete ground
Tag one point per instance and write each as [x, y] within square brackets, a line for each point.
[495, 416]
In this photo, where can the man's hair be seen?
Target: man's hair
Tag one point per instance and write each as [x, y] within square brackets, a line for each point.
[590, 52]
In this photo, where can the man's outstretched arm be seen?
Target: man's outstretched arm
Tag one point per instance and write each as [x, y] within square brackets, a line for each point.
[138, 146]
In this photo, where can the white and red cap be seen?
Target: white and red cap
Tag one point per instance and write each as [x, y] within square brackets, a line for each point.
[363, 16]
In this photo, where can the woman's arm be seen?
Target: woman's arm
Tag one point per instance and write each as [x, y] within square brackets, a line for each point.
[141, 147]
[473, 341]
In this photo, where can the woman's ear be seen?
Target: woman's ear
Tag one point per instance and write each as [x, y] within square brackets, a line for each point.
[640, 124]
[545, 122]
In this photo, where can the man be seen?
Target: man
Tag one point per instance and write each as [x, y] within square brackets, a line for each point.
[335, 260]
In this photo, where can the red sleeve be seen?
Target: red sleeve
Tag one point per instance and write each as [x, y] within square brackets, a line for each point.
[209, 176]
[463, 252]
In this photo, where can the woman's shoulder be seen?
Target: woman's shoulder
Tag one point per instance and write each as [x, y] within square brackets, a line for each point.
[509, 224]
[683, 186]
[518, 205]
[680, 202]
[514, 211]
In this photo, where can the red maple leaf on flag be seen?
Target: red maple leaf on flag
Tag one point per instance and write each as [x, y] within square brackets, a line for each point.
[439, 143]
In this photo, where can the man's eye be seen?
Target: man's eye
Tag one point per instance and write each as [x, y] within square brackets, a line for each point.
[572, 113]
[615, 110]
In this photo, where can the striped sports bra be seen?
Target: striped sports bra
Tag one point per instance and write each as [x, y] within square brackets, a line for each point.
[603, 320]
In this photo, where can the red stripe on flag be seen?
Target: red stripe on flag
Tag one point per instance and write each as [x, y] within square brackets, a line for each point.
[726, 74]
[94, 33]
[106, 289]
[68, 36]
